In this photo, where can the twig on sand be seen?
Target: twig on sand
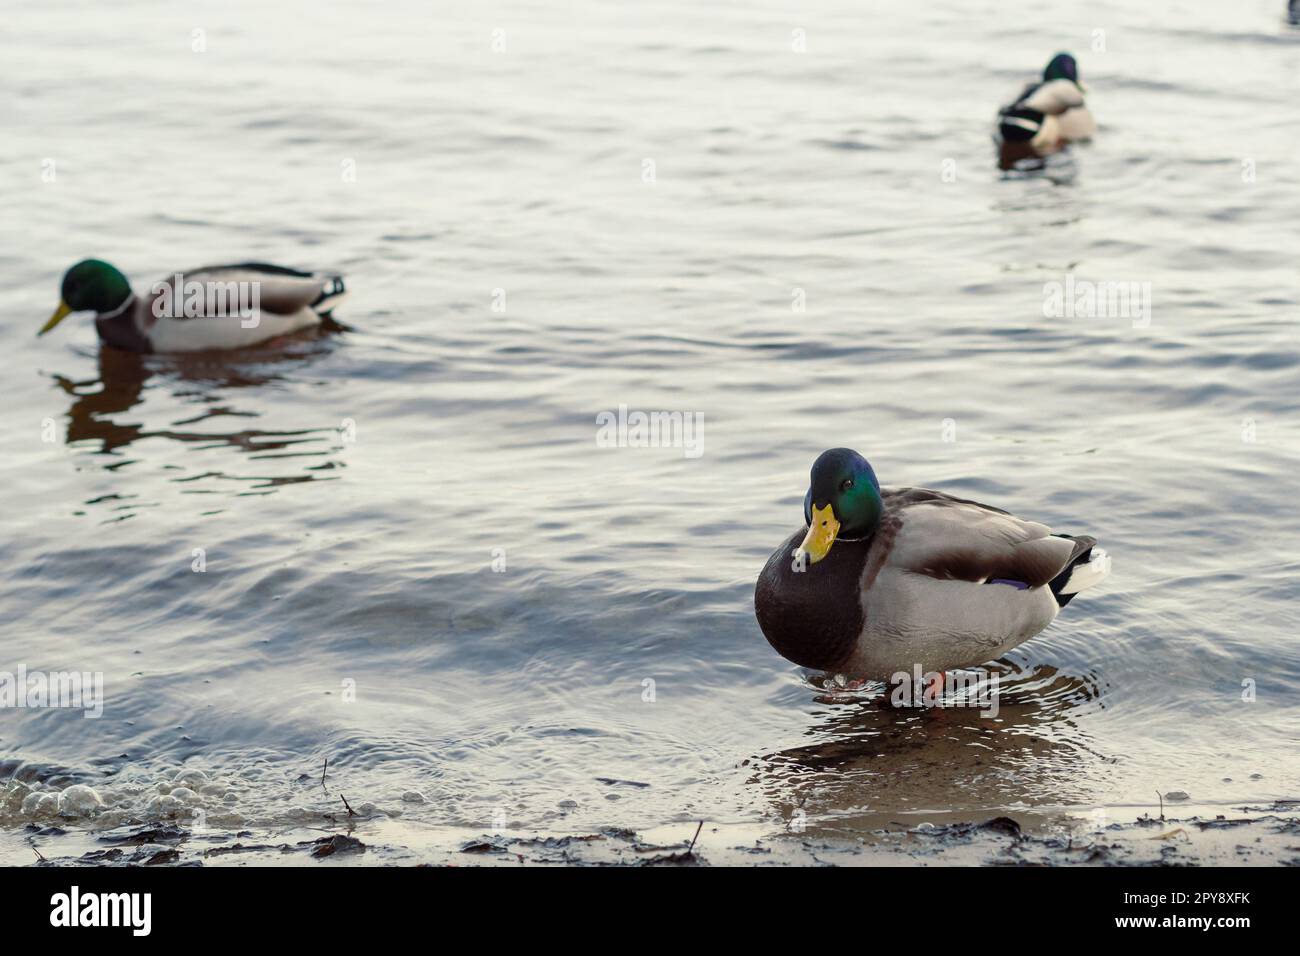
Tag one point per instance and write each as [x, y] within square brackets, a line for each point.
[691, 849]
[322, 771]
[1161, 798]
[38, 854]
[351, 812]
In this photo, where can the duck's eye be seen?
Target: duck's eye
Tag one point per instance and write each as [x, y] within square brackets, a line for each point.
[846, 484]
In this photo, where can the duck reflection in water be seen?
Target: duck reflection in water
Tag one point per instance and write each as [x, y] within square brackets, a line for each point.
[112, 412]
[874, 766]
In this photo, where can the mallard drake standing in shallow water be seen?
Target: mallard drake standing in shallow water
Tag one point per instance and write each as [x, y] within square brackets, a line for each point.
[216, 307]
[880, 581]
[1046, 115]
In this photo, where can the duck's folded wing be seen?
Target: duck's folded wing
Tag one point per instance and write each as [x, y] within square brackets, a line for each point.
[1055, 96]
[951, 538]
[278, 289]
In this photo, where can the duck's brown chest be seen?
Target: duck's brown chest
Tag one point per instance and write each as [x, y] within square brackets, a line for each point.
[812, 614]
[121, 332]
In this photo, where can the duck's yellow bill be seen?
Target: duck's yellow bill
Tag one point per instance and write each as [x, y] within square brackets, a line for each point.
[61, 313]
[821, 534]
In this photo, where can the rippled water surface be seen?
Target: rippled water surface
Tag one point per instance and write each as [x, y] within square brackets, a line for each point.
[514, 274]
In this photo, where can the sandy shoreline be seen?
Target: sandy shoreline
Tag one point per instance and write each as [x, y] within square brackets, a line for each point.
[1266, 835]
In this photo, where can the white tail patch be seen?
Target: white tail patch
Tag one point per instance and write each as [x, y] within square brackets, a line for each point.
[1084, 576]
[332, 296]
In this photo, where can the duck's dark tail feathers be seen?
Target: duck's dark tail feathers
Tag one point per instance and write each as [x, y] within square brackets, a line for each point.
[1087, 567]
[330, 295]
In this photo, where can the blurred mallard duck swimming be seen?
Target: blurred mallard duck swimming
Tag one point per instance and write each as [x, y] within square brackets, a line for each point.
[1046, 116]
[216, 307]
[883, 580]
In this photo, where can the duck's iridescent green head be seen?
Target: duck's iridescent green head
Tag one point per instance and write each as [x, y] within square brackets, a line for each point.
[1061, 67]
[91, 284]
[843, 501]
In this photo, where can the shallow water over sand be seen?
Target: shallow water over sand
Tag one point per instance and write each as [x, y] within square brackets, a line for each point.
[352, 494]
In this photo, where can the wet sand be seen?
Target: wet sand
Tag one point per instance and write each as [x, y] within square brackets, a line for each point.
[1248, 835]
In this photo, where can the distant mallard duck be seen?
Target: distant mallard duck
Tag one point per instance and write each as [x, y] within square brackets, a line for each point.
[216, 307]
[1046, 115]
[881, 581]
